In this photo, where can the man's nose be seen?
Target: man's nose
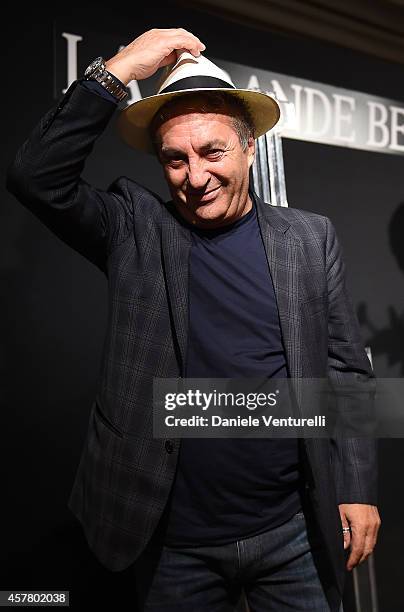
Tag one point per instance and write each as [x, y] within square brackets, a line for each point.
[197, 175]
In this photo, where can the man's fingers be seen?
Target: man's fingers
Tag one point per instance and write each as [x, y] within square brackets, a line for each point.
[173, 51]
[189, 34]
[187, 40]
[371, 539]
[357, 547]
[346, 534]
[169, 59]
[195, 47]
[177, 46]
[370, 542]
[368, 548]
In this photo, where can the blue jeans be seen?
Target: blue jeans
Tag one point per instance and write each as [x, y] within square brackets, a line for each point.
[277, 571]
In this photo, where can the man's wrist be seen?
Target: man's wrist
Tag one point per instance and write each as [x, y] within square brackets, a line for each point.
[119, 72]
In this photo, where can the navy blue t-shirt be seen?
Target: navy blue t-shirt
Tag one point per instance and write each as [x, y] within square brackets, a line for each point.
[227, 489]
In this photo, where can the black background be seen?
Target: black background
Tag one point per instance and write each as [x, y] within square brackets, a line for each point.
[54, 301]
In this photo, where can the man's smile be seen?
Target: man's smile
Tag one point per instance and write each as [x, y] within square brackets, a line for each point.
[207, 196]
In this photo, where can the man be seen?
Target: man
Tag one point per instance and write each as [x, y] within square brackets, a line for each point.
[213, 283]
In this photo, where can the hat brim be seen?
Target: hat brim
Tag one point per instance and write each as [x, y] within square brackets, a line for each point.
[134, 121]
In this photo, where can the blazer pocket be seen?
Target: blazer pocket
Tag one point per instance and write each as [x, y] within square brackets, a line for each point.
[105, 421]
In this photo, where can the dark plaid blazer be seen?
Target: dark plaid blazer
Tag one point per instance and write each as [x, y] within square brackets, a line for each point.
[142, 245]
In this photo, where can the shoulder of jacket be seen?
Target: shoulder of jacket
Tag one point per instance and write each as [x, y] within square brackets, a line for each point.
[304, 221]
[299, 214]
[137, 193]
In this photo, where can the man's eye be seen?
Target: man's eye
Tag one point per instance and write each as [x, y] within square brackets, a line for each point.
[214, 153]
[175, 161]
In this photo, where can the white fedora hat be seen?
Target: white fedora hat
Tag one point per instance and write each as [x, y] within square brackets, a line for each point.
[192, 74]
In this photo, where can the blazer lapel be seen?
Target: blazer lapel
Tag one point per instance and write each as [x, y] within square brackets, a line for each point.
[176, 243]
[281, 249]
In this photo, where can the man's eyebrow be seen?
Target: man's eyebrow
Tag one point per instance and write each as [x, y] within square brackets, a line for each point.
[168, 151]
[212, 144]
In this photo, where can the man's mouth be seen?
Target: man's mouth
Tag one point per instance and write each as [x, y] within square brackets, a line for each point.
[205, 197]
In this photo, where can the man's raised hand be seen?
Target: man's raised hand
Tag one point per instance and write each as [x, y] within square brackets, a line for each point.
[150, 51]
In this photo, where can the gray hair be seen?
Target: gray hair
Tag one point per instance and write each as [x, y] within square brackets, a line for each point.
[219, 102]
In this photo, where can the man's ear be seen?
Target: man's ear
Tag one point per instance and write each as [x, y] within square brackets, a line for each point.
[250, 151]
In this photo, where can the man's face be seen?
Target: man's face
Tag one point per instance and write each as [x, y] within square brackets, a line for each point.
[205, 167]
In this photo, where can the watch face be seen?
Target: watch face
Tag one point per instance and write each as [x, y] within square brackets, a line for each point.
[95, 65]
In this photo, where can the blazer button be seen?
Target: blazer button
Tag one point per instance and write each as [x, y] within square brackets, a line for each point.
[169, 446]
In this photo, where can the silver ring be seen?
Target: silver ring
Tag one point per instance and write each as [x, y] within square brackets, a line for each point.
[346, 530]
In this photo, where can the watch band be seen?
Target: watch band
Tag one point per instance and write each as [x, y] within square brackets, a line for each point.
[96, 71]
[110, 83]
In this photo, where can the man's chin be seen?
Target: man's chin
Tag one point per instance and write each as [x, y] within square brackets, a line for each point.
[206, 214]
[203, 213]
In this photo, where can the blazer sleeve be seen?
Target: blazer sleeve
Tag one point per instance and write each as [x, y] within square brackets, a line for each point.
[353, 460]
[45, 177]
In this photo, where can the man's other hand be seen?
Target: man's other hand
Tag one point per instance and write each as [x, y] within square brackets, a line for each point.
[150, 51]
[364, 521]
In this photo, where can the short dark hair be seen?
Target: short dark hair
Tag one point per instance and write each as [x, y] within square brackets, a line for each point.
[219, 102]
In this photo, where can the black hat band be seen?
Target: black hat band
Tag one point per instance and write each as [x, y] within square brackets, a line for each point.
[197, 82]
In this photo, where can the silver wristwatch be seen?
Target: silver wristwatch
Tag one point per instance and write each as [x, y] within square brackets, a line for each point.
[97, 72]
